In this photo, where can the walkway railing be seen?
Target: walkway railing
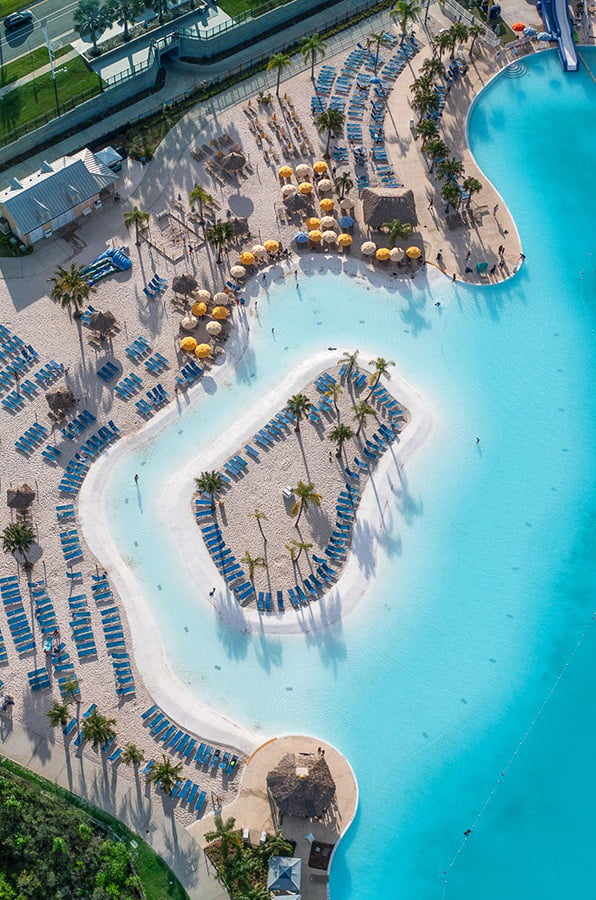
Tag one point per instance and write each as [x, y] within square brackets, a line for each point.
[460, 14]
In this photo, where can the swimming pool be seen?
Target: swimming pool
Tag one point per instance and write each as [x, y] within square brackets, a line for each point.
[486, 578]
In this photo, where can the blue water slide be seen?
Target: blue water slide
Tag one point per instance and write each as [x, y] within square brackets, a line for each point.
[557, 21]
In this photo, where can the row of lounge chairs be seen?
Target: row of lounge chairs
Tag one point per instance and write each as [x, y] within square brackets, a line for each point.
[18, 623]
[43, 608]
[188, 374]
[155, 288]
[78, 425]
[176, 740]
[139, 349]
[156, 398]
[71, 545]
[227, 564]
[31, 439]
[15, 400]
[128, 386]
[108, 371]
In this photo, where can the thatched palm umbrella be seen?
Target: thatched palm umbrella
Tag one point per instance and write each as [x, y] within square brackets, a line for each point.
[21, 497]
[60, 400]
[301, 785]
[295, 203]
[233, 162]
[184, 284]
[102, 322]
[385, 205]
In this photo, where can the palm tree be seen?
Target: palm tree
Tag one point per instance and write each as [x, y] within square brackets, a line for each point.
[474, 31]
[98, 729]
[377, 39]
[132, 755]
[433, 67]
[210, 483]
[422, 84]
[398, 230]
[451, 194]
[160, 7]
[164, 774]
[425, 102]
[459, 35]
[125, 11]
[220, 235]
[333, 391]
[92, 18]
[259, 515]
[306, 494]
[451, 168]
[381, 370]
[311, 48]
[436, 149]
[139, 219]
[279, 61]
[339, 435]
[277, 845]
[362, 410]
[299, 405]
[472, 186]
[331, 121]
[442, 43]
[350, 360]
[58, 714]
[427, 130]
[17, 538]
[405, 11]
[343, 184]
[199, 195]
[70, 688]
[227, 835]
[253, 562]
[70, 287]
[299, 546]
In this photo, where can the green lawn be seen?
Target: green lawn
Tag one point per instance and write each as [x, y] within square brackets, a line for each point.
[37, 98]
[158, 880]
[234, 7]
[24, 65]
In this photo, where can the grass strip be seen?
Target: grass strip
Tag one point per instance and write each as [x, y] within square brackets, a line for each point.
[24, 65]
[158, 880]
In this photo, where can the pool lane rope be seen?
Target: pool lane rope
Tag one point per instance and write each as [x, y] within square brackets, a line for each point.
[469, 831]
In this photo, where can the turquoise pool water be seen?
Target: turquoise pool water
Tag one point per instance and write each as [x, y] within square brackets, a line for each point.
[486, 579]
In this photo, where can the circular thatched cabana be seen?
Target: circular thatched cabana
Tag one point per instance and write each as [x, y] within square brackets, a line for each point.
[385, 205]
[60, 400]
[21, 497]
[102, 322]
[301, 785]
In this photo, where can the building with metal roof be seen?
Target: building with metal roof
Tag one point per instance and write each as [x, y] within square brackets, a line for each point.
[58, 193]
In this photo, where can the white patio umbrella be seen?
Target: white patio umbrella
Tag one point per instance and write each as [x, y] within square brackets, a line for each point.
[347, 203]
[220, 298]
[328, 222]
[258, 250]
[188, 322]
[237, 271]
[288, 190]
[213, 328]
[368, 248]
[329, 237]
[396, 254]
[303, 172]
[325, 184]
[203, 295]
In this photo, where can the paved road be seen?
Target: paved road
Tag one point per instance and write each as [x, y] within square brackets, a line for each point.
[57, 15]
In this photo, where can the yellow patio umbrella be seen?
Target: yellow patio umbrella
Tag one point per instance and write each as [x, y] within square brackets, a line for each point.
[188, 344]
[328, 222]
[383, 254]
[345, 240]
[414, 252]
[313, 222]
[315, 236]
[259, 250]
[320, 166]
[285, 172]
[220, 312]
[368, 248]
[325, 184]
[288, 190]
[271, 246]
[305, 188]
[303, 172]
[329, 237]
[199, 309]
[395, 254]
[220, 298]
[326, 204]
[202, 351]
[213, 328]
[237, 271]
[247, 259]
[188, 323]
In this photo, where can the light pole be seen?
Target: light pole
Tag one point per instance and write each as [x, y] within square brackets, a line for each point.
[44, 30]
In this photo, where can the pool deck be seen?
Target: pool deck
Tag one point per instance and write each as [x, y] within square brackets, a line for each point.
[252, 808]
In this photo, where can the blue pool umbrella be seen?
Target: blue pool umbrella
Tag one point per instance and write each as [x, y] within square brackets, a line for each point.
[301, 237]
[345, 221]
[545, 36]
[529, 31]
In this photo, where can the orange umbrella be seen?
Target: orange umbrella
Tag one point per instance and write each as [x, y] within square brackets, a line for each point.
[220, 312]
[326, 204]
[320, 166]
[313, 222]
[188, 344]
[198, 309]
[202, 351]
[305, 188]
[518, 26]
[315, 236]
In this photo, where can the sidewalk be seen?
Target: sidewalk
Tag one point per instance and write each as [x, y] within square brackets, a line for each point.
[115, 790]
[37, 73]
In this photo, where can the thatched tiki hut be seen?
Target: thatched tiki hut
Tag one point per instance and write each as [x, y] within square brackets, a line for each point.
[301, 785]
[20, 498]
[184, 284]
[60, 400]
[102, 322]
[386, 204]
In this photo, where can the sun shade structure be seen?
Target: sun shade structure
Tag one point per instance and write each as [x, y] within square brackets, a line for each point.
[247, 259]
[188, 344]
[301, 237]
[295, 203]
[237, 271]
[259, 250]
[21, 497]
[102, 322]
[184, 284]
[325, 184]
[220, 297]
[345, 221]
[203, 351]
[315, 236]
[60, 400]
[301, 785]
[326, 204]
[381, 206]
[320, 166]
[285, 171]
[303, 171]
[395, 254]
[346, 203]
[213, 328]
[188, 323]
[413, 252]
[287, 191]
[220, 312]
[329, 237]
[305, 188]
[368, 248]
[271, 246]
[313, 222]
[328, 222]
[383, 254]
[345, 240]
[233, 162]
[283, 875]
[518, 26]
[203, 295]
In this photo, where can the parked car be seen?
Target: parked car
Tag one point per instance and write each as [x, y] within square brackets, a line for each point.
[18, 19]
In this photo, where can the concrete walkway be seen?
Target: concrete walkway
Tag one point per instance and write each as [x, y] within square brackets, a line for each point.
[115, 790]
